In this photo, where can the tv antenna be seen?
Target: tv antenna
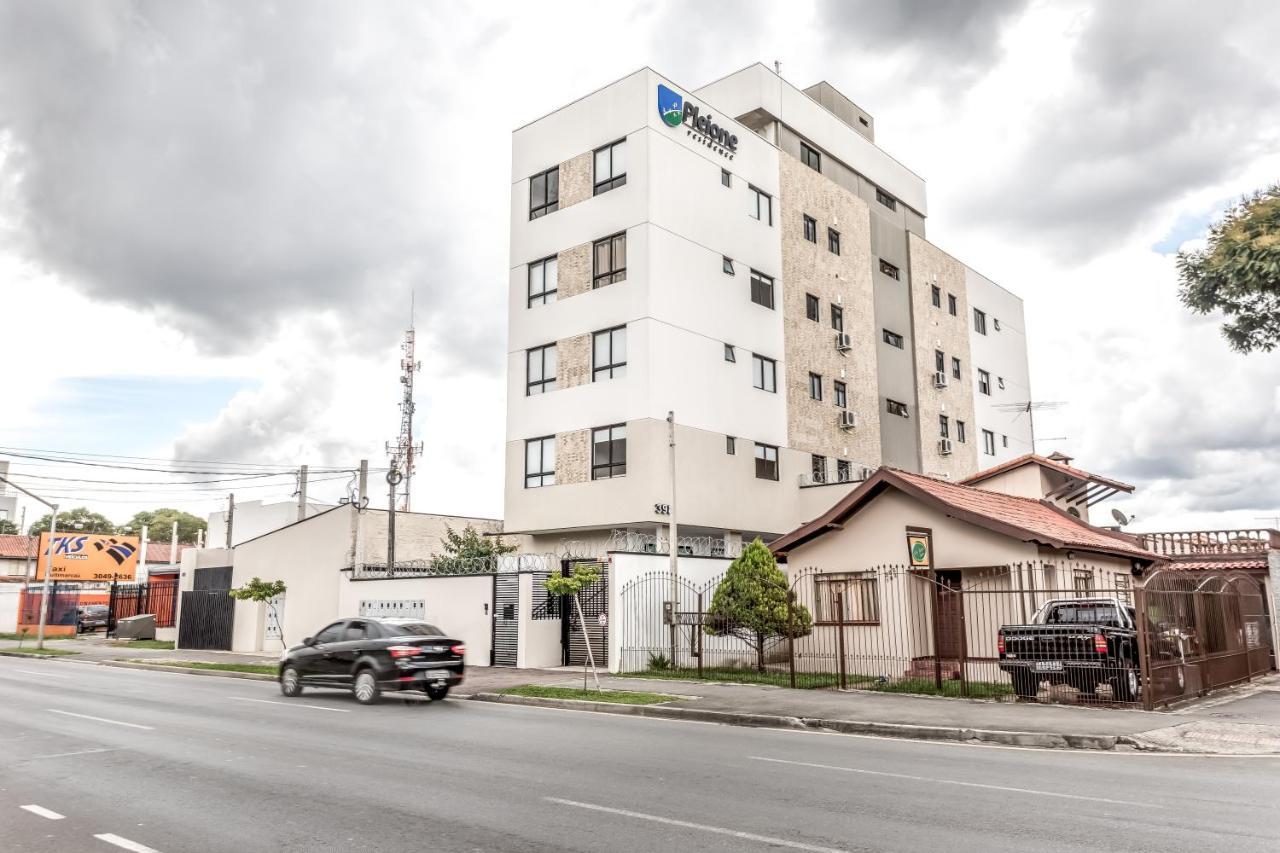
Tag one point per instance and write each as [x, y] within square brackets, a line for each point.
[1029, 408]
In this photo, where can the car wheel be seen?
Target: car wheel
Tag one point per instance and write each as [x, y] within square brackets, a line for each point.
[290, 681]
[366, 689]
[1125, 686]
[437, 691]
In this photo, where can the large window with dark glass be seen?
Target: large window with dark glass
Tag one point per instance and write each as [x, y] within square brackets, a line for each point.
[812, 307]
[540, 462]
[837, 318]
[544, 193]
[889, 269]
[810, 229]
[833, 241]
[764, 373]
[611, 166]
[609, 452]
[979, 321]
[541, 370]
[609, 260]
[841, 394]
[609, 354]
[761, 289]
[766, 461]
[810, 157]
[815, 386]
[543, 281]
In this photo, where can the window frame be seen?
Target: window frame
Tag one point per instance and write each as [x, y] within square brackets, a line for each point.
[891, 270]
[979, 321]
[867, 596]
[837, 317]
[957, 371]
[537, 211]
[544, 297]
[764, 284]
[815, 386]
[767, 217]
[894, 407]
[758, 364]
[613, 367]
[529, 381]
[953, 305]
[812, 308]
[726, 265]
[598, 468]
[833, 241]
[811, 156]
[988, 442]
[961, 435]
[935, 296]
[940, 361]
[893, 339]
[729, 354]
[543, 473]
[810, 228]
[726, 178]
[767, 449]
[614, 180]
[840, 394]
[944, 426]
[984, 382]
[730, 445]
[886, 199]
[615, 274]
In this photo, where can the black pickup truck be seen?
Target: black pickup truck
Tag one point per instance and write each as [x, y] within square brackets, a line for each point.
[1084, 642]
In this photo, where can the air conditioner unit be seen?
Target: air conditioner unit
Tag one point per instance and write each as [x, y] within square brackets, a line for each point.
[944, 446]
[940, 379]
[843, 343]
[848, 420]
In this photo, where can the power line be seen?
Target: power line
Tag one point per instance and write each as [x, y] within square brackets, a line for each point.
[236, 479]
[88, 455]
[216, 490]
[152, 470]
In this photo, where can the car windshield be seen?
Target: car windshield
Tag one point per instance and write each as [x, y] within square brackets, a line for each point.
[96, 609]
[413, 629]
[1082, 614]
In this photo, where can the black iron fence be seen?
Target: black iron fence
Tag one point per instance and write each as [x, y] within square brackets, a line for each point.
[158, 597]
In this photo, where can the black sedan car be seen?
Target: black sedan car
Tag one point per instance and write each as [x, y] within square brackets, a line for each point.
[368, 655]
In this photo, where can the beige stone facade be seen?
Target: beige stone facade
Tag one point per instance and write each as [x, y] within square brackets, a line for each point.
[574, 271]
[844, 281]
[934, 329]
[575, 180]
[573, 361]
[573, 457]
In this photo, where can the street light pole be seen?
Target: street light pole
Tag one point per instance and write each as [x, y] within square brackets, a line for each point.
[48, 564]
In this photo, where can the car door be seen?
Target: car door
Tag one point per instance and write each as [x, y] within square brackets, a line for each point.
[316, 662]
[348, 651]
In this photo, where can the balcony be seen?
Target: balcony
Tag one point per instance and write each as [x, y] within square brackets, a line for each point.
[1200, 542]
[831, 474]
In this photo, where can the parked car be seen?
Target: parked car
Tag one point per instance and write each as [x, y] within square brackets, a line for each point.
[1084, 642]
[91, 617]
[369, 655]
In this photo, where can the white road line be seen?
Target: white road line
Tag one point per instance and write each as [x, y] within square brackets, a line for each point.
[684, 824]
[100, 719]
[42, 812]
[69, 754]
[955, 782]
[45, 674]
[125, 843]
[292, 704]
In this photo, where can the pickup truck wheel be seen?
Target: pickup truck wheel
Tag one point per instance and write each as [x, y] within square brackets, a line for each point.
[1125, 686]
[1025, 685]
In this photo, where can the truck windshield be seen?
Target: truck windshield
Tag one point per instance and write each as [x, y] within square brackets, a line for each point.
[1082, 614]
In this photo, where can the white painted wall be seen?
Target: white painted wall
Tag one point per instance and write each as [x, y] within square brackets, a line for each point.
[1002, 353]
[460, 606]
[10, 593]
[254, 518]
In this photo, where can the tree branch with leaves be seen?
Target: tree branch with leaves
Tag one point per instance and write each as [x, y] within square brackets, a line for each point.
[754, 603]
[263, 592]
[583, 576]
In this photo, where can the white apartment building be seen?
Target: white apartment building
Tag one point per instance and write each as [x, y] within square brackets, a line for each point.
[745, 256]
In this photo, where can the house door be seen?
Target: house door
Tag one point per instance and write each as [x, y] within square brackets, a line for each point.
[949, 602]
[506, 622]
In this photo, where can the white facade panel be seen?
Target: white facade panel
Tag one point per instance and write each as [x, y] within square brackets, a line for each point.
[1002, 352]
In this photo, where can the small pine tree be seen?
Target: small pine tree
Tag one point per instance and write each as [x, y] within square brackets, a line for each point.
[751, 603]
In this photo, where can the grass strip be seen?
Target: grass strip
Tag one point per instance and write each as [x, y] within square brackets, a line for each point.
[32, 650]
[144, 644]
[255, 668]
[618, 697]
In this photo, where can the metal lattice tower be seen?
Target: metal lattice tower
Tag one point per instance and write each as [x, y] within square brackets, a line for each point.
[403, 451]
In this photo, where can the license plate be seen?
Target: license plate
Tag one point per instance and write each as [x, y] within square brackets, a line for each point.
[1048, 666]
[433, 674]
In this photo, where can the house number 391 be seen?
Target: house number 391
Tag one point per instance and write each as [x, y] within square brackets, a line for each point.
[662, 509]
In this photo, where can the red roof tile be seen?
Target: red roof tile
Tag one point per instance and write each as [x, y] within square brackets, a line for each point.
[14, 546]
[1021, 518]
[1051, 464]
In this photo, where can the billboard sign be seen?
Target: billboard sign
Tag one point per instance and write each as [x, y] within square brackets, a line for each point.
[100, 557]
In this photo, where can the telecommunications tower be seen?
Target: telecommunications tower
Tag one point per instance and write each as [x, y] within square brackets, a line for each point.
[403, 451]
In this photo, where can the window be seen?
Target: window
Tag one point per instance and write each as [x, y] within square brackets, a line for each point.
[725, 178]
[1004, 440]
[611, 166]
[833, 241]
[955, 368]
[944, 426]
[893, 407]
[1000, 382]
[331, 634]
[960, 434]
[540, 462]
[355, 631]
[544, 193]
[837, 318]
[761, 205]
[811, 229]
[812, 307]
[729, 354]
[1124, 588]
[726, 264]
[761, 289]
[979, 322]
[844, 471]
[889, 269]
[609, 452]
[609, 264]
[818, 468]
[893, 339]
[939, 361]
[543, 281]
[766, 462]
[984, 382]
[857, 592]
[730, 445]
[540, 370]
[1082, 580]
[988, 442]
[764, 373]
[815, 386]
[810, 157]
[886, 199]
[841, 394]
[935, 296]
[609, 354]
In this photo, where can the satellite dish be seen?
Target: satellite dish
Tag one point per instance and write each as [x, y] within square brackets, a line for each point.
[1120, 517]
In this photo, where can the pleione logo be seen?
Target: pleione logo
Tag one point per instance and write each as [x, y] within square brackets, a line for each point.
[700, 126]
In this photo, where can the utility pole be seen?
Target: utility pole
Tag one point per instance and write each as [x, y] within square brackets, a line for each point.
[22, 528]
[231, 515]
[362, 485]
[302, 493]
[48, 564]
[393, 479]
[173, 546]
[673, 535]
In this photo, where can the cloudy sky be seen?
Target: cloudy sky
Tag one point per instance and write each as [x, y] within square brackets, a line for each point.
[212, 215]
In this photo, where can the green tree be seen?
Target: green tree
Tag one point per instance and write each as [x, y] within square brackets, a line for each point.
[466, 549]
[584, 575]
[160, 524]
[263, 592]
[751, 603]
[1238, 273]
[78, 520]
[7, 527]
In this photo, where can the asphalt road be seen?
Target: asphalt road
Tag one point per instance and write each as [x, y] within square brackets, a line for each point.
[178, 763]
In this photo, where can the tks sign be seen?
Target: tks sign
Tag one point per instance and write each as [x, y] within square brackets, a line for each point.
[88, 557]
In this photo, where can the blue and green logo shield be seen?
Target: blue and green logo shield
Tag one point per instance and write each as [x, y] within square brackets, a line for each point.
[670, 106]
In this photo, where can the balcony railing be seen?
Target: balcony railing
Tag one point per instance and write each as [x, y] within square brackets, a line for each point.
[1188, 542]
[689, 546]
[831, 474]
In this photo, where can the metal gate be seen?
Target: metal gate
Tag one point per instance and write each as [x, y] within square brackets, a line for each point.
[206, 620]
[157, 597]
[506, 621]
[595, 610]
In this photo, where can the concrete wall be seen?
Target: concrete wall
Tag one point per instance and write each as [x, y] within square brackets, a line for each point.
[10, 594]
[539, 638]
[461, 606]
[1003, 353]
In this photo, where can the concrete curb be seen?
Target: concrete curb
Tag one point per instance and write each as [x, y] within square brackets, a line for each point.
[159, 667]
[24, 656]
[1043, 740]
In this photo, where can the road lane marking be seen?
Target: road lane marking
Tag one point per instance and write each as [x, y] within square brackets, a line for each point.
[292, 704]
[42, 812]
[100, 719]
[69, 754]
[955, 782]
[125, 843]
[45, 674]
[684, 824]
